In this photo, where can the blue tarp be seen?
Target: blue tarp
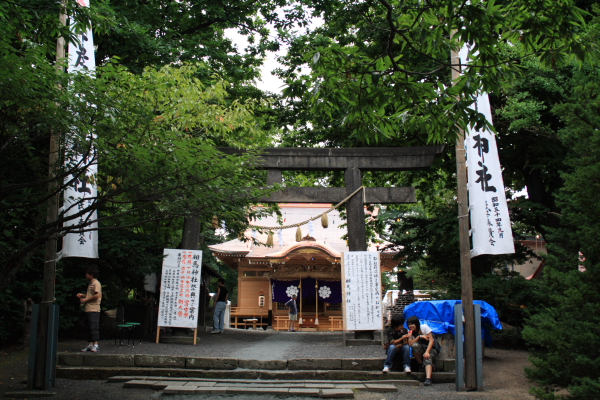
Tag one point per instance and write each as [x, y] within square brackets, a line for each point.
[439, 315]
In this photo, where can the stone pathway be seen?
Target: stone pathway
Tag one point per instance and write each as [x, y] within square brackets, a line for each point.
[305, 388]
[267, 350]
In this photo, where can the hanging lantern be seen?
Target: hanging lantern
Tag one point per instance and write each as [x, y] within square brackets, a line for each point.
[324, 221]
[270, 239]
[298, 235]
[215, 222]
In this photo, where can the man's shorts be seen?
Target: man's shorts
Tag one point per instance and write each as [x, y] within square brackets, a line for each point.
[293, 317]
[419, 348]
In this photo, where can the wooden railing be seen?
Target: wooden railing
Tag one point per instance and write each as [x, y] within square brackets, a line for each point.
[239, 314]
[281, 323]
[249, 311]
[337, 323]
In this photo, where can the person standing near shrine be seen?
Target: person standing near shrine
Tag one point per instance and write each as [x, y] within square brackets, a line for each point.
[293, 312]
[220, 306]
[91, 301]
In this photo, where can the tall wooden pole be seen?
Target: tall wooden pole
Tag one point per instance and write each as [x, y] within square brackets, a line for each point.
[49, 276]
[465, 249]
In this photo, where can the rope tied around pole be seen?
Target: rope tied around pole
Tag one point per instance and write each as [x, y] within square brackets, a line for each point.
[311, 219]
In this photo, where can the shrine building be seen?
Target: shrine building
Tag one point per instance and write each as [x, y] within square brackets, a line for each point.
[268, 275]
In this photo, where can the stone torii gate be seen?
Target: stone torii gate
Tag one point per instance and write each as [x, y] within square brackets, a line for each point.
[353, 161]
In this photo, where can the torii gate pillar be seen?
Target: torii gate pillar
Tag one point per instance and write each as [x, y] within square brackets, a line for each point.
[357, 232]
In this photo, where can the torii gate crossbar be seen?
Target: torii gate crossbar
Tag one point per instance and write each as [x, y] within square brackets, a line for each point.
[353, 161]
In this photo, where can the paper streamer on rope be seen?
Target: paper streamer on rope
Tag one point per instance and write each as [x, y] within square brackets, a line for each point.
[280, 237]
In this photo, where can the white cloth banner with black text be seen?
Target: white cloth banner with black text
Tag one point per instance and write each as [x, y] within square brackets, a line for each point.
[81, 191]
[490, 222]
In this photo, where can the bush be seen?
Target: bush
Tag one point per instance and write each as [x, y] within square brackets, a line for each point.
[565, 335]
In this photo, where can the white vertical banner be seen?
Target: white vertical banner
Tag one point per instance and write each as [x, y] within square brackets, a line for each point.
[81, 190]
[361, 291]
[490, 222]
[180, 288]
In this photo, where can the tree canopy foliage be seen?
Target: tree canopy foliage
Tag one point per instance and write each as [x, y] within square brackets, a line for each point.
[152, 130]
[380, 70]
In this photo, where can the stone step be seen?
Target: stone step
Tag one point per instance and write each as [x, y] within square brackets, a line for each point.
[307, 388]
[91, 372]
[211, 363]
[289, 382]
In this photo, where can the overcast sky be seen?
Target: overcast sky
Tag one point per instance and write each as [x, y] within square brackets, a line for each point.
[268, 82]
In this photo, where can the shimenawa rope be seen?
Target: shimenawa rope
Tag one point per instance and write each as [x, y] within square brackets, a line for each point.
[311, 219]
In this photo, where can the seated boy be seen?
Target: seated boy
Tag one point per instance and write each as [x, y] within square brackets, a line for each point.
[397, 338]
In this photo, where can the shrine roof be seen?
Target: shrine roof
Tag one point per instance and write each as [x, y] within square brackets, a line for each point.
[328, 240]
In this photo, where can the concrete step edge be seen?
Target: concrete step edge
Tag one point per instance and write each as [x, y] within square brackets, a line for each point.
[105, 373]
[125, 378]
[167, 361]
[160, 385]
[217, 383]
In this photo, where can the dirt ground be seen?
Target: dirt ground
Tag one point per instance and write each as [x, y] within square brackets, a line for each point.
[503, 374]
[504, 379]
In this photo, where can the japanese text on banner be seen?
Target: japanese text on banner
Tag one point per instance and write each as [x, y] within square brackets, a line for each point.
[490, 222]
[81, 157]
[180, 288]
[362, 290]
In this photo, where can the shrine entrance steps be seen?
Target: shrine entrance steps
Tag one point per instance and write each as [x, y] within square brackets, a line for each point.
[324, 378]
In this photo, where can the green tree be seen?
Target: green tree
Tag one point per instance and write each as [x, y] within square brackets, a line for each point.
[532, 152]
[380, 70]
[142, 34]
[564, 335]
[380, 75]
[154, 144]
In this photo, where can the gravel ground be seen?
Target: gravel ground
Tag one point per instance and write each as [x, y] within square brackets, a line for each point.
[250, 345]
[503, 369]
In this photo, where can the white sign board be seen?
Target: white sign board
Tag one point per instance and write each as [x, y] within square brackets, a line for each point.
[180, 288]
[361, 288]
